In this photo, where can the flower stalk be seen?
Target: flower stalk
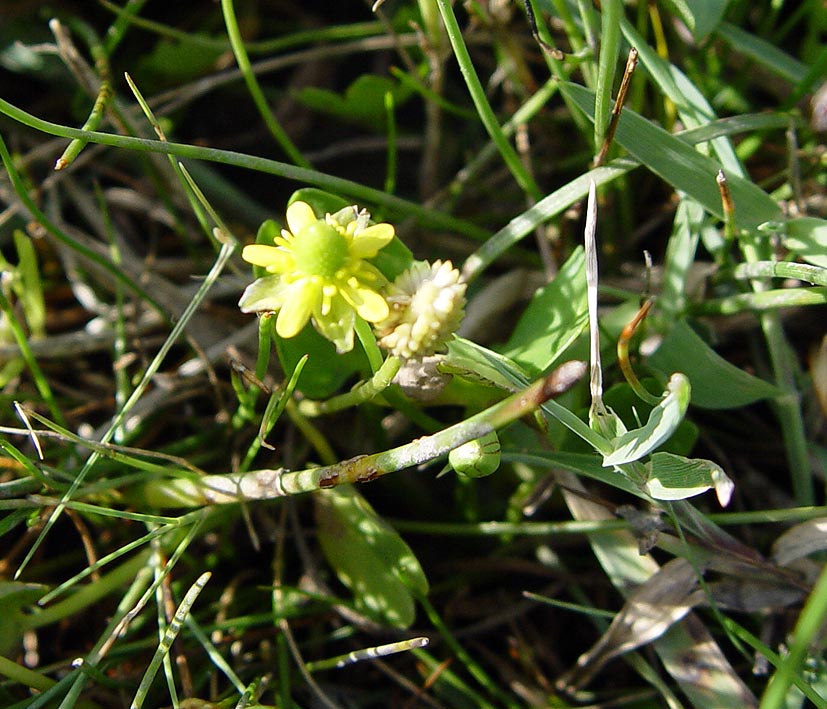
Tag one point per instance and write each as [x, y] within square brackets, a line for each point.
[274, 483]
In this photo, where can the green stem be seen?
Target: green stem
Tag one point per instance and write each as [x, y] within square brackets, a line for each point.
[611, 13]
[46, 223]
[366, 391]
[780, 269]
[522, 115]
[370, 653]
[254, 88]
[316, 438]
[576, 39]
[92, 122]
[763, 301]
[169, 635]
[425, 215]
[486, 114]
[226, 251]
[368, 342]
[24, 676]
[470, 664]
[126, 16]
[87, 595]
[810, 624]
[31, 362]
[317, 35]
[784, 366]
[140, 580]
[271, 484]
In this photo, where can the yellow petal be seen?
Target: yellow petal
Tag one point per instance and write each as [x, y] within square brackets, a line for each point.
[300, 215]
[299, 304]
[368, 242]
[273, 259]
[368, 303]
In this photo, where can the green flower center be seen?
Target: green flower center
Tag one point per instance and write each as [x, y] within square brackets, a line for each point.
[320, 250]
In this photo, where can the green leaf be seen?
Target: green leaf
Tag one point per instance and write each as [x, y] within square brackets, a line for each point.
[763, 52]
[700, 16]
[479, 364]
[680, 257]
[369, 557]
[692, 106]
[321, 201]
[30, 291]
[673, 477]
[555, 317]
[363, 102]
[172, 62]
[662, 422]
[622, 399]
[807, 237]
[682, 166]
[716, 383]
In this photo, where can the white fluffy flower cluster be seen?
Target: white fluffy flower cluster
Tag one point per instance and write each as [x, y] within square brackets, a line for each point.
[427, 303]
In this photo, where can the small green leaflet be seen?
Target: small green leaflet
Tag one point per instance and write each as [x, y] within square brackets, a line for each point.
[807, 237]
[663, 420]
[479, 364]
[673, 477]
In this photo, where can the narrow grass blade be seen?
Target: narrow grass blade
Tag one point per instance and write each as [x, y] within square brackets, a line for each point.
[170, 634]
[683, 167]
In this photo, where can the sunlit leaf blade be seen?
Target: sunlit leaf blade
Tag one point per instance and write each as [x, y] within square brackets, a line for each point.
[662, 422]
[477, 363]
[807, 237]
[673, 477]
[765, 53]
[700, 16]
[683, 167]
[369, 557]
[716, 384]
[554, 318]
[692, 106]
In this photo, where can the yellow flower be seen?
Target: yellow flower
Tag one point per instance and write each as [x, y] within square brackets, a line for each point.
[320, 272]
[427, 304]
